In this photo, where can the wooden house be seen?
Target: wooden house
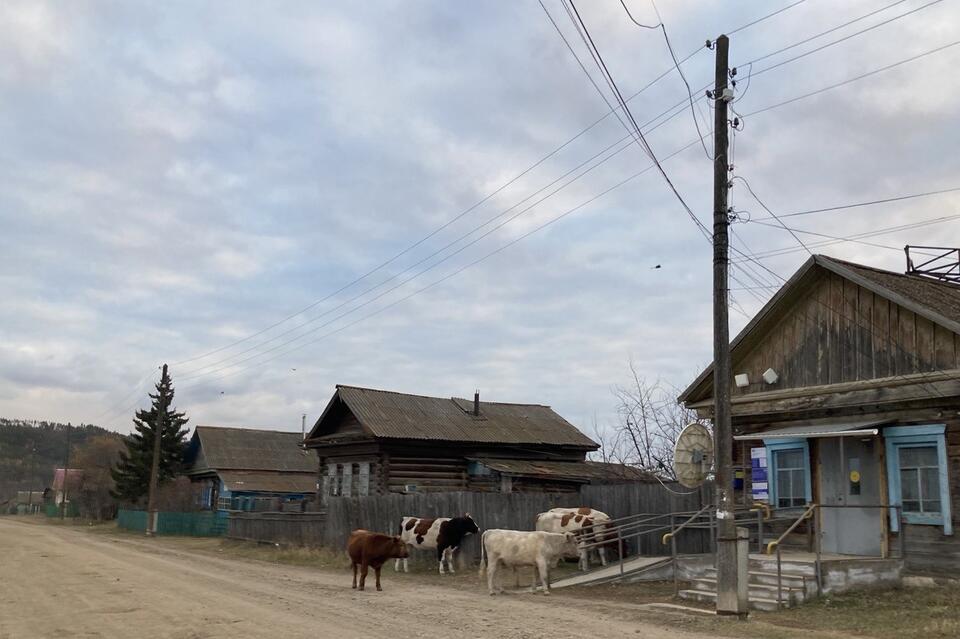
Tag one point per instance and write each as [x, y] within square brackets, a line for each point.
[849, 391]
[377, 442]
[249, 469]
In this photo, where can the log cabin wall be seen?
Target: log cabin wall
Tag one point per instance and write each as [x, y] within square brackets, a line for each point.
[837, 331]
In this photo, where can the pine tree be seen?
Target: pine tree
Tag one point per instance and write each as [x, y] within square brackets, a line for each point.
[132, 473]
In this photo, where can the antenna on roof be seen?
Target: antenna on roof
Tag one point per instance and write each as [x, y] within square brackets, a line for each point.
[303, 425]
[938, 262]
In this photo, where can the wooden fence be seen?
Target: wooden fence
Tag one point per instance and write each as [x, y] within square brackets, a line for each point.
[515, 511]
[287, 528]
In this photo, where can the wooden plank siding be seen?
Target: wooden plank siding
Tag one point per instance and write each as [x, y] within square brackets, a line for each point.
[838, 332]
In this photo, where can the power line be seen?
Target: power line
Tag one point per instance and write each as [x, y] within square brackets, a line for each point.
[197, 372]
[859, 77]
[462, 268]
[467, 210]
[694, 142]
[843, 39]
[887, 200]
[666, 38]
[772, 214]
[599, 59]
[884, 231]
[766, 17]
[828, 31]
[898, 249]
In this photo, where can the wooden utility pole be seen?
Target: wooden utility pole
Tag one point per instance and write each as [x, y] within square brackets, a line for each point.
[66, 476]
[155, 467]
[731, 594]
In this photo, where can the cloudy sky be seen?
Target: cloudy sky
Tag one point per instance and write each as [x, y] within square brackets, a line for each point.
[177, 177]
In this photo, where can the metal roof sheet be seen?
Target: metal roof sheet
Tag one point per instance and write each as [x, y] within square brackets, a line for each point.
[252, 449]
[394, 415]
[807, 431]
[240, 481]
[577, 471]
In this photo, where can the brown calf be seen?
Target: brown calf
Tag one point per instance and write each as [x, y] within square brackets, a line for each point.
[372, 549]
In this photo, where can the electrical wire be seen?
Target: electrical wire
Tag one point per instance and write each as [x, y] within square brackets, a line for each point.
[859, 77]
[694, 142]
[772, 214]
[843, 39]
[841, 207]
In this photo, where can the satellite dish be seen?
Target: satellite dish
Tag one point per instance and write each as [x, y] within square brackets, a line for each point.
[693, 455]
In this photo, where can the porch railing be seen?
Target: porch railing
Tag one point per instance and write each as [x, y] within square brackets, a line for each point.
[814, 511]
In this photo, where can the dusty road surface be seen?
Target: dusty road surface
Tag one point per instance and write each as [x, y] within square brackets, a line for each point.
[62, 582]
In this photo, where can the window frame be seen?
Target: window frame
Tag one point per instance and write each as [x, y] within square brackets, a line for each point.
[774, 446]
[899, 437]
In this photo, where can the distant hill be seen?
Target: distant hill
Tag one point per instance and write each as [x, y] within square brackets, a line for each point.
[31, 449]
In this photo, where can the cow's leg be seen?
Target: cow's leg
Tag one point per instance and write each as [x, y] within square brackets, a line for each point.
[603, 555]
[376, 571]
[584, 562]
[396, 564]
[354, 575]
[491, 573]
[363, 574]
[406, 567]
[440, 552]
[544, 570]
[450, 560]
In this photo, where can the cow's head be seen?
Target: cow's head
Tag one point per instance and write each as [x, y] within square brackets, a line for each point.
[469, 525]
[398, 549]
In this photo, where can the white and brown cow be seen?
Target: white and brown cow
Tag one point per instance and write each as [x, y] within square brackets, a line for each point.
[515, 548]
[587, 524]
[444, 534]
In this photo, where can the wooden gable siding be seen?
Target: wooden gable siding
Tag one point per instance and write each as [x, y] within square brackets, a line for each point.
[837, 331]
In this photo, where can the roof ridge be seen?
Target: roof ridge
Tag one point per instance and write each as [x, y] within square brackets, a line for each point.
[910, 276]
[393, 392]
[246, 428]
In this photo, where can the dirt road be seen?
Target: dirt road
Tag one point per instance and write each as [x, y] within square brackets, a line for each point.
[63, 582]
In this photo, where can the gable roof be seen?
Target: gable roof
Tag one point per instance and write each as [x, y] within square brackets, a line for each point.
[392, 415]
[221, 448]
[935, 300]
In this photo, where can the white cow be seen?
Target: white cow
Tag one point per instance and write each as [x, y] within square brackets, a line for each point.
[515, 548]
[588, 524]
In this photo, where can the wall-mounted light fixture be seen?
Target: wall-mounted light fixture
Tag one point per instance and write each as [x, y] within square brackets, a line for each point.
[742, 380]
[770, 376]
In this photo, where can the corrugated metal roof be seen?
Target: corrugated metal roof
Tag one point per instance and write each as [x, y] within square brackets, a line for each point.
[578, 471]
[394, 415]
[239, 481]
[252, 449]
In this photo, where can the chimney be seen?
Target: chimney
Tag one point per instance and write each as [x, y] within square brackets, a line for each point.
[476, 404]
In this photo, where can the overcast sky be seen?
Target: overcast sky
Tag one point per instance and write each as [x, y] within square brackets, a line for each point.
[178, 176]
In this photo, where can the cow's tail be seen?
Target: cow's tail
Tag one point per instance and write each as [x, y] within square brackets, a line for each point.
[483, 554]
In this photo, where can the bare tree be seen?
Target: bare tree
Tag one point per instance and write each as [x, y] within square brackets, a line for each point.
[649, 420]
[95, 458]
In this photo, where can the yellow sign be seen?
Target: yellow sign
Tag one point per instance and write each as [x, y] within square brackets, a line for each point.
[855, 476]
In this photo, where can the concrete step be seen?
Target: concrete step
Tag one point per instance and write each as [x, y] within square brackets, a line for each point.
[755, 603]
[790, 596]
[769, 565]
[759, 577]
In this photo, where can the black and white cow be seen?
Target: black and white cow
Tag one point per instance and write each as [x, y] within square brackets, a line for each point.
[445, 534]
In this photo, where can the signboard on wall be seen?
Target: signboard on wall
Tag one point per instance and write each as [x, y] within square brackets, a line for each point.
[758, 474]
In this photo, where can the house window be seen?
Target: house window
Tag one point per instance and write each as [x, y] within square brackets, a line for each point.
[919, 479]
[789, 473]
[917, 475]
